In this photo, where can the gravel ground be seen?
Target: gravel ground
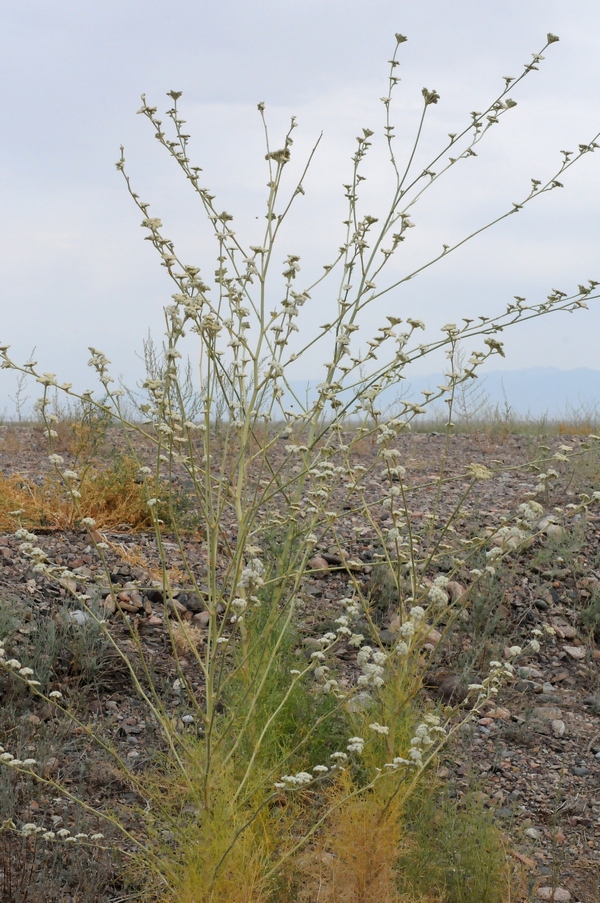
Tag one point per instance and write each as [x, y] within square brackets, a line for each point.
[534, 755]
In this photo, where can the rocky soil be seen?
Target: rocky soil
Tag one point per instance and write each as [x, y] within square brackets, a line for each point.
[534, 755]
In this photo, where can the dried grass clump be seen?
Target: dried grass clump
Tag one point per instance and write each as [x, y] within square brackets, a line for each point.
[355, 859]
[111, 496]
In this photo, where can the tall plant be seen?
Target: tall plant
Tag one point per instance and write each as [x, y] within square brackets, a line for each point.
[273, 756]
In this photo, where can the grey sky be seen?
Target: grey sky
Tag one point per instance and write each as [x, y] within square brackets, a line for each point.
[75, 270]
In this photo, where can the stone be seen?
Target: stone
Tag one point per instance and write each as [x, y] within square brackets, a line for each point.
[83, 571]
[130, 601]
[580, 771]
[452, 690]
[569, 632]
[155, 595]
[318, 566]
[499, 713]
[433, 637]
[194, 603]
[555, 894]
[534, 833]
[80, 618]
[575, 652]
[109, 606]
[175, 608]
[202, 619]
[455, 590]
[558, 727]
[387, 637]
[546, 713]
[541, 604]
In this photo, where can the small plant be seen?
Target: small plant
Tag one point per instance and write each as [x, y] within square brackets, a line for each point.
[453, 850]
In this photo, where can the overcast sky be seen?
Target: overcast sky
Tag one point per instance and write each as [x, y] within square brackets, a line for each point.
[75, 270]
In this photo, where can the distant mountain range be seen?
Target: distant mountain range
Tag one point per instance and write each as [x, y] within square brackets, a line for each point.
[534, 392]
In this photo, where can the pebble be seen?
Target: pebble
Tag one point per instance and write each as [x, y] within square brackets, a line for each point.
[80, 618]
[452, 690]
[575, 652]
[580, 771]
[174, 607]
[387, 637]
[558, 727]
[556, 894]
[433, 637]
[455, 590]
[546, 713]
[109, 606]
[194, 602]
[504, 813]
[534, 833]
[318, 566]
[155, 595]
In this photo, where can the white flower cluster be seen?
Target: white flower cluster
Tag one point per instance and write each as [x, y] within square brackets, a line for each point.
[544, 480]
[507, 539]
[302, 778]
[355, 745]
[426, 734]
[252, 576]
[294, 780]
[437, 594]
[29, 829]
[7, 758]
[372, 664]
[530, 512]
[379, 728]
[14, 665]
[500, 672]
[409, 630]
[387, 432]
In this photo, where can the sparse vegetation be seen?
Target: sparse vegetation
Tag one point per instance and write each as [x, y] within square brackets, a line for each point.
[309, 618]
